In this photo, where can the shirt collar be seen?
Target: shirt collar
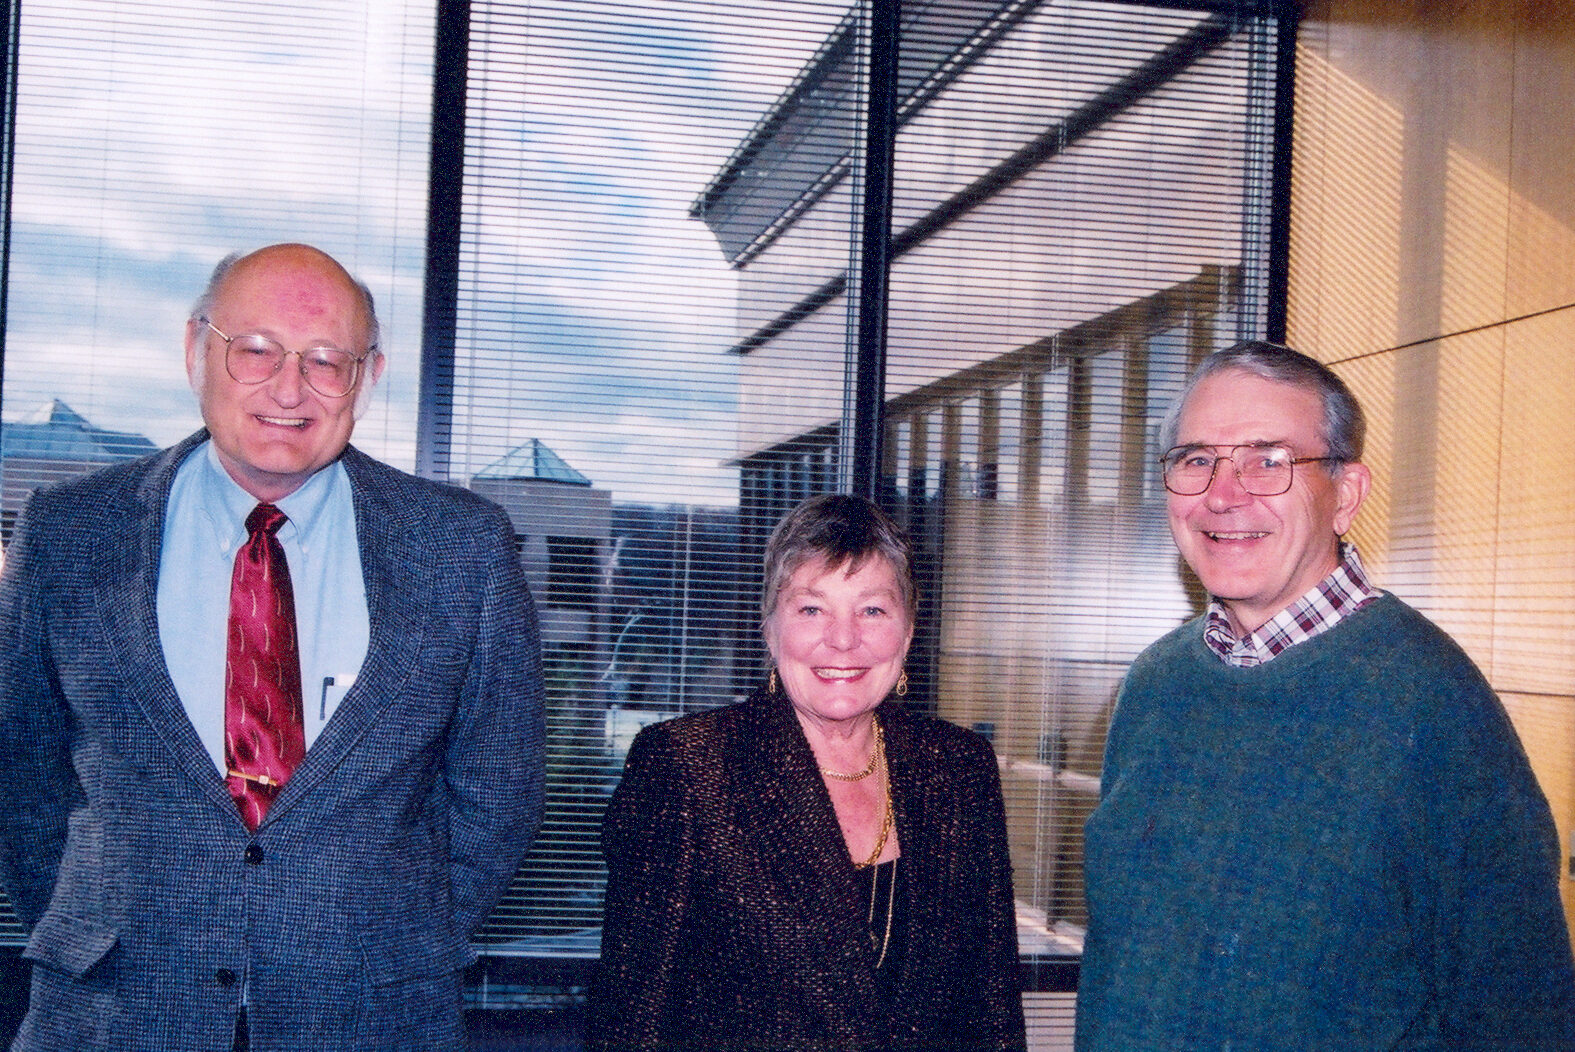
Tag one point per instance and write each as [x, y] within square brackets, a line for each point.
[225, 505]
[1345, 590]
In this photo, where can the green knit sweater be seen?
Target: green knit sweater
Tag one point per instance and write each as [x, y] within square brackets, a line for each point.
[1341, 849]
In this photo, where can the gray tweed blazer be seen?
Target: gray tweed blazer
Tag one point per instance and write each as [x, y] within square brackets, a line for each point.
[345, 917]
[735, 919]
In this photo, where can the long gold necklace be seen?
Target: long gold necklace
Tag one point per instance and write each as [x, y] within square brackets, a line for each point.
[859, 776]
[891, 903]
[887, 817]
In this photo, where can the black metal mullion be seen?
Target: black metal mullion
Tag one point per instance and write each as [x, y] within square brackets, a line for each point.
[1279, 263]
[875, 247]
[10, 46]
[445, 189]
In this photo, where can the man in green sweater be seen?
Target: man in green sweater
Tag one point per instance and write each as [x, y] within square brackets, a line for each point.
[1317, 828]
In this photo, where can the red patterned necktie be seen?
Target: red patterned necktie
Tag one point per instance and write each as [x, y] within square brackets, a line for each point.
[263, 738]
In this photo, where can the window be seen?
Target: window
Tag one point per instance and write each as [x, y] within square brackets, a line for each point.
[151, 140]
[571, 572]
[659, 277]
[1074, 187]
[652, 350]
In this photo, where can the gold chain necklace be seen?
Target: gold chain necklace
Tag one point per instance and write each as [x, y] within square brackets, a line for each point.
[879, 759]
[891, 903]
[859, 776]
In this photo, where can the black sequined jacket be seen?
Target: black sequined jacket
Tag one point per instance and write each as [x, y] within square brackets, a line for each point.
[736, 920]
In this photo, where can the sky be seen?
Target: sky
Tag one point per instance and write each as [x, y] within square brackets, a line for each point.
[152, 140]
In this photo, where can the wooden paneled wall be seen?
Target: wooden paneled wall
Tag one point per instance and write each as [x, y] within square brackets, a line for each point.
[1433, 264]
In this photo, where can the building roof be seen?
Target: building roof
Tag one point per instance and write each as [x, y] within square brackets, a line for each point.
[533, 460]
[55, 431]
[803, 145]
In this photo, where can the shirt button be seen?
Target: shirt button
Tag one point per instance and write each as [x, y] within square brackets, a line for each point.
[225, 977]
[253, 854]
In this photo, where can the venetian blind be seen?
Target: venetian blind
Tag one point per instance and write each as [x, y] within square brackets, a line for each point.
[655, 348]
[1080, 214]
[593, 395]
[152, 139]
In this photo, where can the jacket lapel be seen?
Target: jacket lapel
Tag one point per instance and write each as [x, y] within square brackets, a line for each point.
[922, 879]
[925, 803]
[125, 588]
[395, 570]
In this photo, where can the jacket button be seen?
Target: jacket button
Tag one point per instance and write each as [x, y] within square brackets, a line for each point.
[225, 977]
[253, 854]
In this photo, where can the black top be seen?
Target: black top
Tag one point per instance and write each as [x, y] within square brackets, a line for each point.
[736, 920]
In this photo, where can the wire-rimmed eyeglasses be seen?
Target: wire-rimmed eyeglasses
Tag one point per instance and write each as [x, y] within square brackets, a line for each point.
[1264, 470]
[252, 358]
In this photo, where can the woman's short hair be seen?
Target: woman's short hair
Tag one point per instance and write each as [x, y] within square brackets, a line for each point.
[842, 530]
[1344, 426]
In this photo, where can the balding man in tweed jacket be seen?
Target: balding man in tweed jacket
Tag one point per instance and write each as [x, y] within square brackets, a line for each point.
[162, 914]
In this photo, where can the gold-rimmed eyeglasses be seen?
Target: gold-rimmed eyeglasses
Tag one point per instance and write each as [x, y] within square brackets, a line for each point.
[252, 358]
[1264, 470]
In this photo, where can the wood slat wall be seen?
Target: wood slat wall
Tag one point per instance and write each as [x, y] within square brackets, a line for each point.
[1433, 264]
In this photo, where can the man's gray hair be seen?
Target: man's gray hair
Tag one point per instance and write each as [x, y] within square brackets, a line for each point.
[842, 530]
[1344, 426]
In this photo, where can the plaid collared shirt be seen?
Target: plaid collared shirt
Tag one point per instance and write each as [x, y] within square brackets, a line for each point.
[1340, 594]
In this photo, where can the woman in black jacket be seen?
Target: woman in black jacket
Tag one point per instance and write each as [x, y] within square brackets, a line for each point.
[814, 867]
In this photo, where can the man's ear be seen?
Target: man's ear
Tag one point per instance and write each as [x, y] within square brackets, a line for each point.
[371, 374]
[196, 338]
[1350, 491]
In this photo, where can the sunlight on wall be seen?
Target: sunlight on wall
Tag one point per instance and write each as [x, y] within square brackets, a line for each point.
[1421, 223]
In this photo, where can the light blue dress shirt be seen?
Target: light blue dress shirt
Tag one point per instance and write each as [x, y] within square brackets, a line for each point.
[204, 526]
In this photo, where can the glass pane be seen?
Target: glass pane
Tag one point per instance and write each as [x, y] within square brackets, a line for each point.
[632, 211]
[152, 140]
[1072, 196]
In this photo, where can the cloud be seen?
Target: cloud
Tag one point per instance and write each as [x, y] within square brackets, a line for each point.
[604, 312]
